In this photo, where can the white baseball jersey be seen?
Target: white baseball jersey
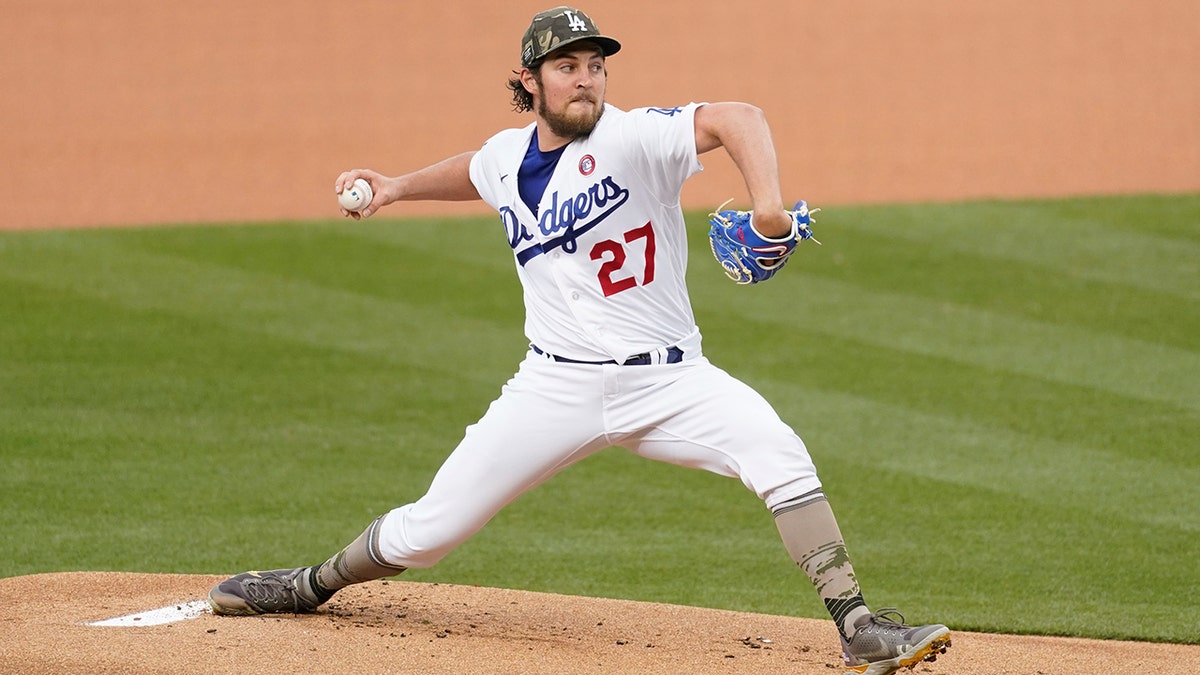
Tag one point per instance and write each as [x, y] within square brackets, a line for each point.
[602, 263]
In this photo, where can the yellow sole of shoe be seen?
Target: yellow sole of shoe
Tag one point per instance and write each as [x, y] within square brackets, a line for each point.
[927, 652]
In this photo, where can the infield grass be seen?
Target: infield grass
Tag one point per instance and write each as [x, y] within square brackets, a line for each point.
[1003, 399]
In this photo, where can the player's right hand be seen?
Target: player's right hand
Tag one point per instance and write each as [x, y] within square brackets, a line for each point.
[379, 188]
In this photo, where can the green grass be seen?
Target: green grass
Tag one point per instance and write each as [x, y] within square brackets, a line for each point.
[1003, 399]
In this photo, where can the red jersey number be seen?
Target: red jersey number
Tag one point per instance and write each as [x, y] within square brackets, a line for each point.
[615, 254]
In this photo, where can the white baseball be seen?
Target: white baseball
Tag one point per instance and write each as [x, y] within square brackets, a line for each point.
[356, 197]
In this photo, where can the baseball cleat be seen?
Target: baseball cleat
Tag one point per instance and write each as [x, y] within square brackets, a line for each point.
[274, 592]
[882, 645]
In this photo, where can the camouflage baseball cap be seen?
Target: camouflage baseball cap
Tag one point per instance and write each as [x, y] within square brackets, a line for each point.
[559, 27]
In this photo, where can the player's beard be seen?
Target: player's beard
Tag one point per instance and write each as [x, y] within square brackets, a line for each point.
[567, 125]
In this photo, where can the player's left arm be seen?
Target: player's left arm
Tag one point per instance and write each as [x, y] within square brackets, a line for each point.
[742, 130]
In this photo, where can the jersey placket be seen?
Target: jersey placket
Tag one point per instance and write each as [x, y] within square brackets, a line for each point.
[566, 269]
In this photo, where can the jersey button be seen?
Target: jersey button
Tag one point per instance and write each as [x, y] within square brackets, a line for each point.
[574, 295]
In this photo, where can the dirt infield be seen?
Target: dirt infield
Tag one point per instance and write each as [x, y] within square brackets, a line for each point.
[141, 111]
[398, 627]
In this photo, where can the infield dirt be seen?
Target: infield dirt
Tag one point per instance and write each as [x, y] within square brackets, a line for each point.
[143, 112]
[399, 627]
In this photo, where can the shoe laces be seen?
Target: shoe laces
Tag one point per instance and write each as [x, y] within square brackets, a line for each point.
[265, 589]
[888, 617]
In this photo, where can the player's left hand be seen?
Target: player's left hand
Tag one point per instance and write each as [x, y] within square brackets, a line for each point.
[747, 256]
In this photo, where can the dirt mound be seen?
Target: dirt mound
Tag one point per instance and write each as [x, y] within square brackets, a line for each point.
[393, 626]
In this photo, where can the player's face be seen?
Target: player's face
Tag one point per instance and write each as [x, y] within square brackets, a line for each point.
[570, 95]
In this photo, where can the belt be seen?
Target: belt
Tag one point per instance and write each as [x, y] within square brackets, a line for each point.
[674, 355]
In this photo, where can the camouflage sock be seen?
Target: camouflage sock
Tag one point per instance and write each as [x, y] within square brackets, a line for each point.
[810, 533]
[355, 564]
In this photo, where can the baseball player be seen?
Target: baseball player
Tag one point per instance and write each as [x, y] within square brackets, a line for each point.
[588, 198]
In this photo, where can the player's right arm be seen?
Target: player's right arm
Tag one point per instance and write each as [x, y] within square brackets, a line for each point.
[448, 180]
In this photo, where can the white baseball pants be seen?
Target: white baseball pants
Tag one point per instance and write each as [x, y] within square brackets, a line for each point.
[551, 415]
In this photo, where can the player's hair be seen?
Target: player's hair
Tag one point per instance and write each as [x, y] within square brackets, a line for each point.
[522, 98]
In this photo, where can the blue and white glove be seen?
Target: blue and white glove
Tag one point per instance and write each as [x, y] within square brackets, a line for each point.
[748, 257]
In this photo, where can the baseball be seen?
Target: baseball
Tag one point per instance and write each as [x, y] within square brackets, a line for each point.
[357, 196]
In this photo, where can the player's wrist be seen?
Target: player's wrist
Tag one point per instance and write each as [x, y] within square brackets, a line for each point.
[774, 225]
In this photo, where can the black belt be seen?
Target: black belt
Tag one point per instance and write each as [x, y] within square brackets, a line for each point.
[674, 355]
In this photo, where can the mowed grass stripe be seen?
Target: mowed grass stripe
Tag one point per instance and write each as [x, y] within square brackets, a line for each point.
[296, 309]
[413, 262]
[80, 355]
[872, 434]
[987, 559]
[121, 427]
[1001, 282]
[1145, 242]
[994, 397]
[922, 327]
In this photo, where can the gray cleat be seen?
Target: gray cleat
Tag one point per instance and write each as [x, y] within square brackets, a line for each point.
[882, 644]
[274, 592]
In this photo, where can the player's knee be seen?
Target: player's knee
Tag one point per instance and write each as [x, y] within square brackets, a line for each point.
[795, 491]
[782, 470]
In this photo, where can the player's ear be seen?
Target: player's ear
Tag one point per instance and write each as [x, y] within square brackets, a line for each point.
[529, 80]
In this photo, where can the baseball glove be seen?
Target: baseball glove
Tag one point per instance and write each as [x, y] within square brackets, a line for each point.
[748, 257]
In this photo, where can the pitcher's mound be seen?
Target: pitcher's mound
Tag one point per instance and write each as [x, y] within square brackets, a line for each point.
[49, 626]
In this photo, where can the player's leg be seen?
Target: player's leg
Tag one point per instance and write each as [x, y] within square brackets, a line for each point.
[303, 589]
[709, 420]
[697, 415]
[546, 418]
[876, 643]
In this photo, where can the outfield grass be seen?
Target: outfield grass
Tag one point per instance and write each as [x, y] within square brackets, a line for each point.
[1003, 400]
